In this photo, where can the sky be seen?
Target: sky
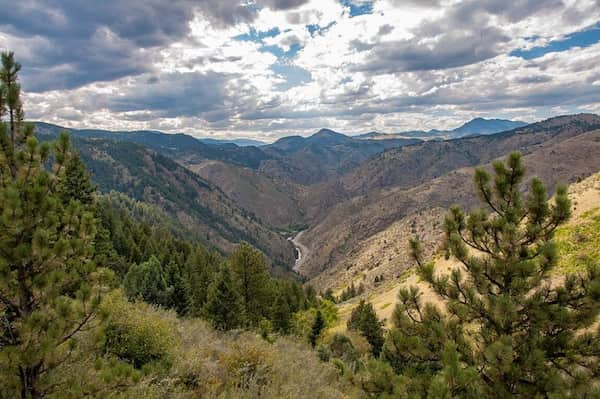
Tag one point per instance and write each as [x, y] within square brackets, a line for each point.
[265, 69]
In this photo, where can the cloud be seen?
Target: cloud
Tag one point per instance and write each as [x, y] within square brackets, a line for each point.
[174, 94]
[267, 68]
[450, 50]
[73, 45]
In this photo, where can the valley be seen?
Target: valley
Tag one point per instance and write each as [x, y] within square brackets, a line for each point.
[358, 199]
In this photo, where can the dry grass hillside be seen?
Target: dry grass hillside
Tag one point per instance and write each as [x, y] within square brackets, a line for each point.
[342, 236]
[578, 241]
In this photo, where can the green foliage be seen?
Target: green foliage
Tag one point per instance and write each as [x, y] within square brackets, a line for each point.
[380, 381]
[351, 291]
[317, 327]
[137, 334]
[364, 319]
[148, 282]
[50, 288]
[224, 305]
[303, 320]
[281, 314]
[328, 294]
[507, 330]
[341, 347]
[77, 182]
[253, 281]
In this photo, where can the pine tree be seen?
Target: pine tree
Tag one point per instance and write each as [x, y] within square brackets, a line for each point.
[329, 295]
[281, 314]
[251, 274]
[224, 305]
[509, 330]
[178, 280]
[48, 290]
[148, 282]
[77, 182]
[364, 320]
[317, 328]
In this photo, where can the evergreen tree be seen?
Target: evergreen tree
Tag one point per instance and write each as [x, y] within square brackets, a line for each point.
[48, 283]
[509, 330]
[317, 328]
[147, 281]
[201, 275]
[328, 295]
[251, 274]
[178, 280]
[364, 320]
[224, 305]
[282, 314]
[77, 182]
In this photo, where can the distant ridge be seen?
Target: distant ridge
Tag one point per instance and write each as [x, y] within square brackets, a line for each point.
[238, 142]
[477, 126]
[147, 136]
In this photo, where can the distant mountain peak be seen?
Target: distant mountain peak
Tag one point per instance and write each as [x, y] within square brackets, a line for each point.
[481, 125]
[327, 132]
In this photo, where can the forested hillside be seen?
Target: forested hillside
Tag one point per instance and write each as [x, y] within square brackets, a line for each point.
[205, 211]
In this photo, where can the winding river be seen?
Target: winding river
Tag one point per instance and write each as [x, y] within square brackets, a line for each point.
[301, 251]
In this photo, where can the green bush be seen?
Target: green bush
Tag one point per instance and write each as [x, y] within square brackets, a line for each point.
[137, 333]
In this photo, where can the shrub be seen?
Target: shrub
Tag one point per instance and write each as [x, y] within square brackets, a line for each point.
[137, 333]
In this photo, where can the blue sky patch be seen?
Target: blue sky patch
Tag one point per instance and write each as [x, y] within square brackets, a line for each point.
[312, 28]
[358, 7]
[316, 28]
[257, 36]
[293, 75]
[584, 38]
[280, 53]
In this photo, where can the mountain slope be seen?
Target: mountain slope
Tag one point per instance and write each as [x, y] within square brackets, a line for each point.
[205, 210]
[335, 241]
[479, 126]
[415, 164]
[575, 239]
[238, 142]
[273, 202]
[172, 145]
[323, 156]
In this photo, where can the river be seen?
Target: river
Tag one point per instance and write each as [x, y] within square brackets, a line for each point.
[301, 251]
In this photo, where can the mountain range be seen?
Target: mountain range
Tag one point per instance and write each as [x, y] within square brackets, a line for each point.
[477, 126]
[356, 198]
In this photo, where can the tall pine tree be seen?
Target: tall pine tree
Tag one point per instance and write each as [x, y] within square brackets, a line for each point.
[224, 305]
[364, 320]
[317, 328]
[251, 274]
[48, 293]
[510, 328]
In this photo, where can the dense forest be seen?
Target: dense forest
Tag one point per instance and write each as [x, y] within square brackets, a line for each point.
[102, 295]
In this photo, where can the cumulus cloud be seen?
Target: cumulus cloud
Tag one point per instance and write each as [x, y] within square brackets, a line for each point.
[266, 68]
